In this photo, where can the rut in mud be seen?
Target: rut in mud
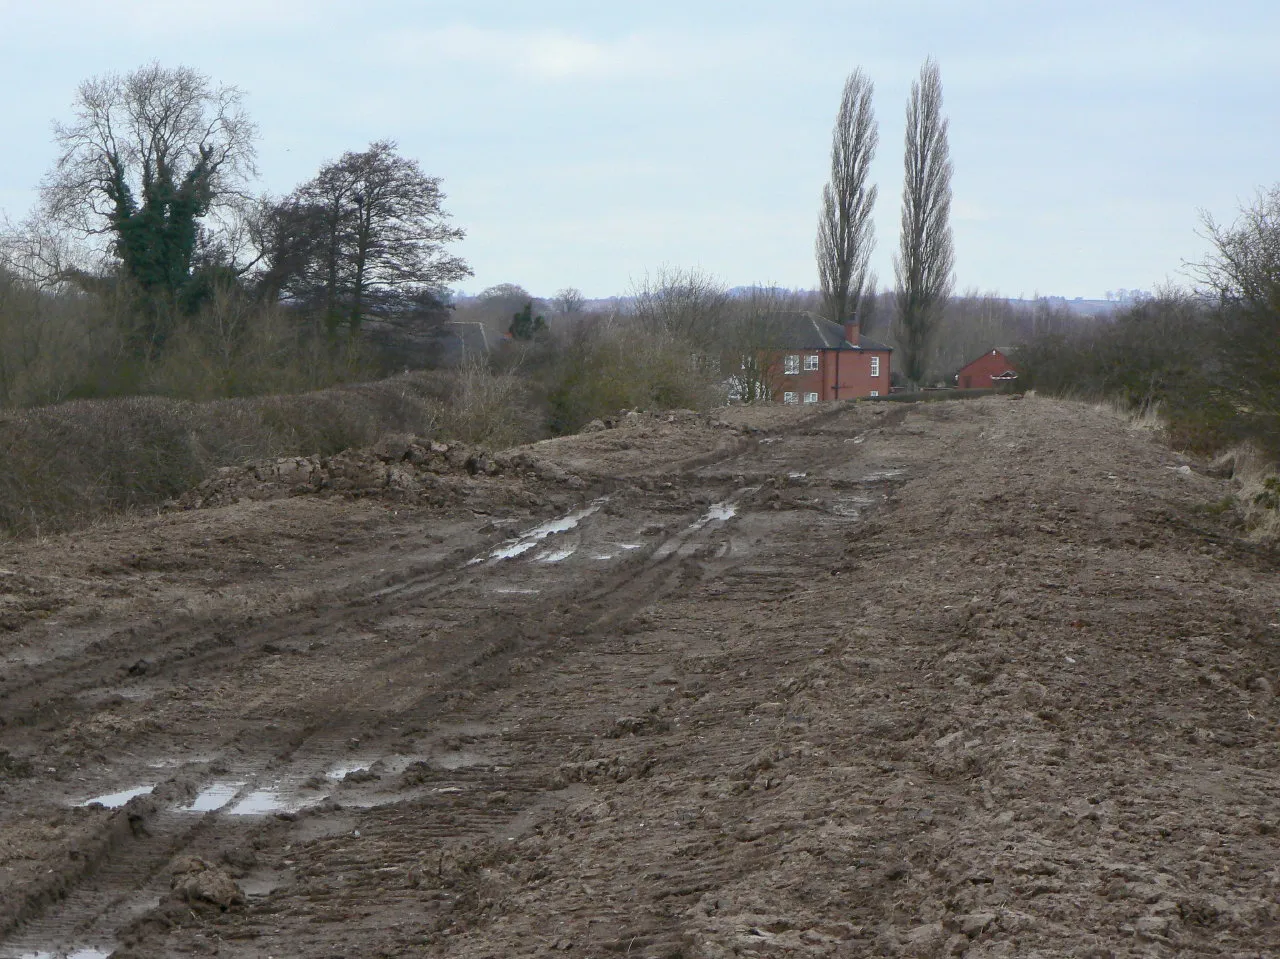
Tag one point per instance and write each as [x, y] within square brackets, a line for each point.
[982, 678]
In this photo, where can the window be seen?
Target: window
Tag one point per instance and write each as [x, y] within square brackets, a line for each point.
[791, 365]
[875, 366]
[811, 397]
[790, 397]
[875, 393]
[811, 361]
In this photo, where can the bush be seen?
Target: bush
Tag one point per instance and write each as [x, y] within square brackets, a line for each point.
[611, 365]
[67, 464]
[1161, 354]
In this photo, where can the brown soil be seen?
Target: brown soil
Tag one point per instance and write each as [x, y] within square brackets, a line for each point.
[987, 678]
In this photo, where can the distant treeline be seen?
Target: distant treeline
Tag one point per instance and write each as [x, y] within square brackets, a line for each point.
[1208, 359]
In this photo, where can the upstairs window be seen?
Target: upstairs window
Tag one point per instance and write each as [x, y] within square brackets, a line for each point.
[791, 365]
[875, 366]
[811, 361]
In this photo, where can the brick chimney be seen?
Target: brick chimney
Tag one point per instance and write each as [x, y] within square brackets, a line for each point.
[851, 330]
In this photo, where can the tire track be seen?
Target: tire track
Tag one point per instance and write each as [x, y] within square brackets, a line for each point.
[134, 872]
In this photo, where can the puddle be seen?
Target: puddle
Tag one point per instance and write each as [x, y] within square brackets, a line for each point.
[214, 796]
[719, 513]
[556, 556]
[603, 557]
[116, 800]
[513, 591]
[794, 475]
[175, 762]
[631, 545]
[339, 773]
[527, 541]
[260, 802]
[84, 952]
[853, 506]
[880, 475]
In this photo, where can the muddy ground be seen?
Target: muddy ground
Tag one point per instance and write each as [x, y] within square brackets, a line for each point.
[985, 678]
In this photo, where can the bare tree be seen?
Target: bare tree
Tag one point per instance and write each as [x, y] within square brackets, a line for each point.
[148, 157]
[365, 237]
[1243, 275]
[686, 303]
[568, 301]
[753, 334]
[504, 298]
[846, 232]
[1245, 264]
[924, 265]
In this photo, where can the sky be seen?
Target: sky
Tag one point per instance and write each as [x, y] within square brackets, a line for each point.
[589, 144]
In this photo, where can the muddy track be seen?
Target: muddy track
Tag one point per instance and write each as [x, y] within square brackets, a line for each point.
[129, 876]
[39, 693]
[907, 681]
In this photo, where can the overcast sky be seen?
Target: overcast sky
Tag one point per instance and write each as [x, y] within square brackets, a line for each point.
[583, 143]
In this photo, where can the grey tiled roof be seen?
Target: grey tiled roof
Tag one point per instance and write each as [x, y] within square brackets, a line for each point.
[808, 331]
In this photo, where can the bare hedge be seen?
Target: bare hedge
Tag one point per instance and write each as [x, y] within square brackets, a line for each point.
[62, 466]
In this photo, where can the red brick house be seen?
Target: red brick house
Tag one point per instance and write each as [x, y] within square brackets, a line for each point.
[814, 360]
[990, 370]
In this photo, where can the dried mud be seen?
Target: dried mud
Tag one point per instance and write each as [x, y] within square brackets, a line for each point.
[985, 678]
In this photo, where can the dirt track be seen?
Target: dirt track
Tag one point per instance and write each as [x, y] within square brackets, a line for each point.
[990, 678]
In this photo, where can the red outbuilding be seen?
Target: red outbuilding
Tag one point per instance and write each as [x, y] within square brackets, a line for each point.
[988, 371]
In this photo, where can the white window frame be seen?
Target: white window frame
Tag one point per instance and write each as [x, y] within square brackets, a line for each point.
[810, 362]
[874, 393]
[875, 366]
[791, 398]
[811, 397]
[791, 364]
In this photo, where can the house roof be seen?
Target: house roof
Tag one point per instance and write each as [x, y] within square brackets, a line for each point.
[994, 351]
[808, 331]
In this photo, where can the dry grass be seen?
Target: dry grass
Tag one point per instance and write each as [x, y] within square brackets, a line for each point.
[1259, 498]
[1147, 417]
[63, 466]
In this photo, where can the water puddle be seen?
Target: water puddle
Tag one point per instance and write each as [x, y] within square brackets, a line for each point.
[214, 796]
[173, 762]
[84, 952]
[118, 799]
[795, 475]
[260, 802]
[631, 545]
[852, 506]
[881, 475]
[556, 556]
[719, 513]
[527, 541]
[513, 591]
[339, 773]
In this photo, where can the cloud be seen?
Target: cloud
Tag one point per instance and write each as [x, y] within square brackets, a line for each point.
[542, 54]
[162, 18]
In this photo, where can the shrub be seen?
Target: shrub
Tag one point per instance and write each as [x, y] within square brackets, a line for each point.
[612, 365]
[67, 464]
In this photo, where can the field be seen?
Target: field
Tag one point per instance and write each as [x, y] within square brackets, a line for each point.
[985, 678]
